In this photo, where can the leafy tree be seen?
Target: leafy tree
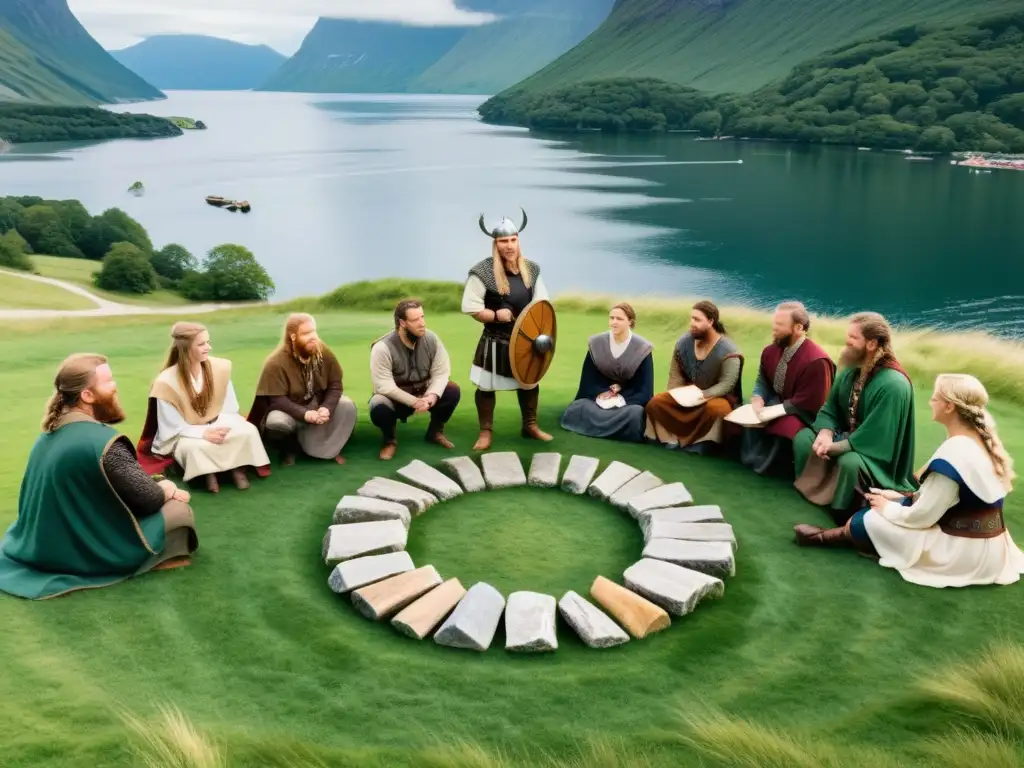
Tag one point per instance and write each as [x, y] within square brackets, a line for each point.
[232, 273]
[12, 252]
[10, 212]
[707, 123]
[42, 227]
[126, 268]
[938, 138]
[113, 226]
[173, 261]
[1009, 109]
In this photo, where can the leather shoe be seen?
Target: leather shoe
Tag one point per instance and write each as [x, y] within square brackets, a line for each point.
[534, 432]
[484, 441]
[440, 439]
[388, 451]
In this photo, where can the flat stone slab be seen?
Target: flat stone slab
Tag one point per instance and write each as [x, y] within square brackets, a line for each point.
[385, 597]
[706, 513]
[465, 470]
[579, 473]
[418, 619]
[671, 495]
[502, 470]
[475, 619]
[691, 531]
[637, 614]
[544, 468]
[426, 478]
[674, 588]
[365, 509]
[615, 476]
[416, 499]
[349, 540]
[590, 622]
[715, 558]
[530, 622]
[638, 486]
[360, 571]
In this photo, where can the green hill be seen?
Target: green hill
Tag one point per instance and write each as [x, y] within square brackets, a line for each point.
[23, 78]
[736, 45]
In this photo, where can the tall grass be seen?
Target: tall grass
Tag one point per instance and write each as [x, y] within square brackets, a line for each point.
[173, 742]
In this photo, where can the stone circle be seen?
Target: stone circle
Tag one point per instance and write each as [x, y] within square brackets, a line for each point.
[688, 553]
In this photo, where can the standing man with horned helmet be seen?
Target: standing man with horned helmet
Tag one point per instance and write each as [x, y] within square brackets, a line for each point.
[497, 290]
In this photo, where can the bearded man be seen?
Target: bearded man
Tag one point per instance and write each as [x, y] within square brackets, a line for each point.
[88, 515]
[863, 437]
[410, 371]
[299, 401]
[497, 290]
[795, 373]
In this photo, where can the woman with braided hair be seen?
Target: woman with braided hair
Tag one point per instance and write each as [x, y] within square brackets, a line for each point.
[951, 532]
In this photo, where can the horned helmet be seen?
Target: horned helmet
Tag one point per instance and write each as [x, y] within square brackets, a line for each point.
[506, 228]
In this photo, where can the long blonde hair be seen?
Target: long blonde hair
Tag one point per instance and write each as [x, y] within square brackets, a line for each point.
[73, 377]
[965, 393]
[500, 278]
[183, 335]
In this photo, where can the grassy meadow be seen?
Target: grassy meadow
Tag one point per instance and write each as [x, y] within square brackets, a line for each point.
[81, 271]
[812, 658]
[19, 293]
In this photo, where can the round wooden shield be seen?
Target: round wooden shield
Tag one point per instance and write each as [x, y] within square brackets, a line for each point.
[532, 346]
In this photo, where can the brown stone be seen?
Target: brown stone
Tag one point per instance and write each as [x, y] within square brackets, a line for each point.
[637, 614]
[385, 597]
[419, 619]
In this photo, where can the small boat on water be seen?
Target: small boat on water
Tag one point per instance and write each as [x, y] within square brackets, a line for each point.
[918, 157]
[231, 205]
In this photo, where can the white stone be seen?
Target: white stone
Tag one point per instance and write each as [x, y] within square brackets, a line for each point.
[343, 542]
[671, 495]
[364, 509]
[691, 531]
[530, 622]
[638, 486]
[579, 473]
[356, 573]
[615, 476]
[544, 468]
[475, 619]
[427, 478]
[715, 558]
[503, 470]
[465, 470]
[416, 499]
[674, 588]
[593, 625]
[706, 513]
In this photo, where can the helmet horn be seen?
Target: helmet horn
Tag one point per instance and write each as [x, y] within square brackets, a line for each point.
[483, 227]
[523, 225]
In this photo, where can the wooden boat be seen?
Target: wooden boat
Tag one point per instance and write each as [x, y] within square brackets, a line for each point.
[231, 205]
[220, 202]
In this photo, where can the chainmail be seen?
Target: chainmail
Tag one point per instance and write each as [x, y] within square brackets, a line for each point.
[134, 487]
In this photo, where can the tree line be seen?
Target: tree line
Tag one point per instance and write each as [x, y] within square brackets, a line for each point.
[936, 89]
[30, 123]
[130, 264]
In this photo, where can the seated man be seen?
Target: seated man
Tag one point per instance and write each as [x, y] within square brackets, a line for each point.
[616, 382]
[410, 371]
[864, 434]
[193, 416]
[704, 359]
[299, 402]
[795, 374]
[88, 515]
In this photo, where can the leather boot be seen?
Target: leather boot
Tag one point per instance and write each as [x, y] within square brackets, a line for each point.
[485, 413]
[528, 399]
[387, 451]
[438, 438]
[813, 536]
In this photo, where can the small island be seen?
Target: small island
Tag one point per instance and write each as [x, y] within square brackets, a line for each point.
[33, 123]
[188, 123]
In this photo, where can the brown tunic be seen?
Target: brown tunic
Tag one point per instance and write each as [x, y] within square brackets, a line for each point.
[288, 385]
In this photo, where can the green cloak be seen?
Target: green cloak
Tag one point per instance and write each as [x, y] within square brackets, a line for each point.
[73, 531]
[882, 443]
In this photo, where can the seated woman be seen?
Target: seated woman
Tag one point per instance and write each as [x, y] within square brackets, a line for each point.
[951, 532]
[196, 422]
[616, 382]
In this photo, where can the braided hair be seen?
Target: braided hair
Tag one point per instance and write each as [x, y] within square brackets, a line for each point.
[73, 377]
[968, 396]
[875, 328]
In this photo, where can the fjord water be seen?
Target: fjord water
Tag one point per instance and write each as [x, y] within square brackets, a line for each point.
[345, 188]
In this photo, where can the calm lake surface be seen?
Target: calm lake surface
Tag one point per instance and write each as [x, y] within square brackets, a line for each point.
[346, 188]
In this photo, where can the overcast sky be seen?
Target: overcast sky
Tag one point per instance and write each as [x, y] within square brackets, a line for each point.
[280, 24]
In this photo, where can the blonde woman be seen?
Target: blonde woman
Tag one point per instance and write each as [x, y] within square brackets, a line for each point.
[197, 423]
[951, 532]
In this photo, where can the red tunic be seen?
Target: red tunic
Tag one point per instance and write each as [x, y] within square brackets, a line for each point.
[809, 378]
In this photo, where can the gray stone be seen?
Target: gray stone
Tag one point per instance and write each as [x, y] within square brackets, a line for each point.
[593, 625]
[427, 478]
[714, 558]
[349, 540]
[530, 622]
[465, 470]
[707, 513]
[544, 468]
[615, 476]
[416, 499]
[475, 619]
[502, 470]
[671, 495]
[360, 571]
[364, 509]
[579, 473]
[674, 588]
[691, 531]
[638, 486]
